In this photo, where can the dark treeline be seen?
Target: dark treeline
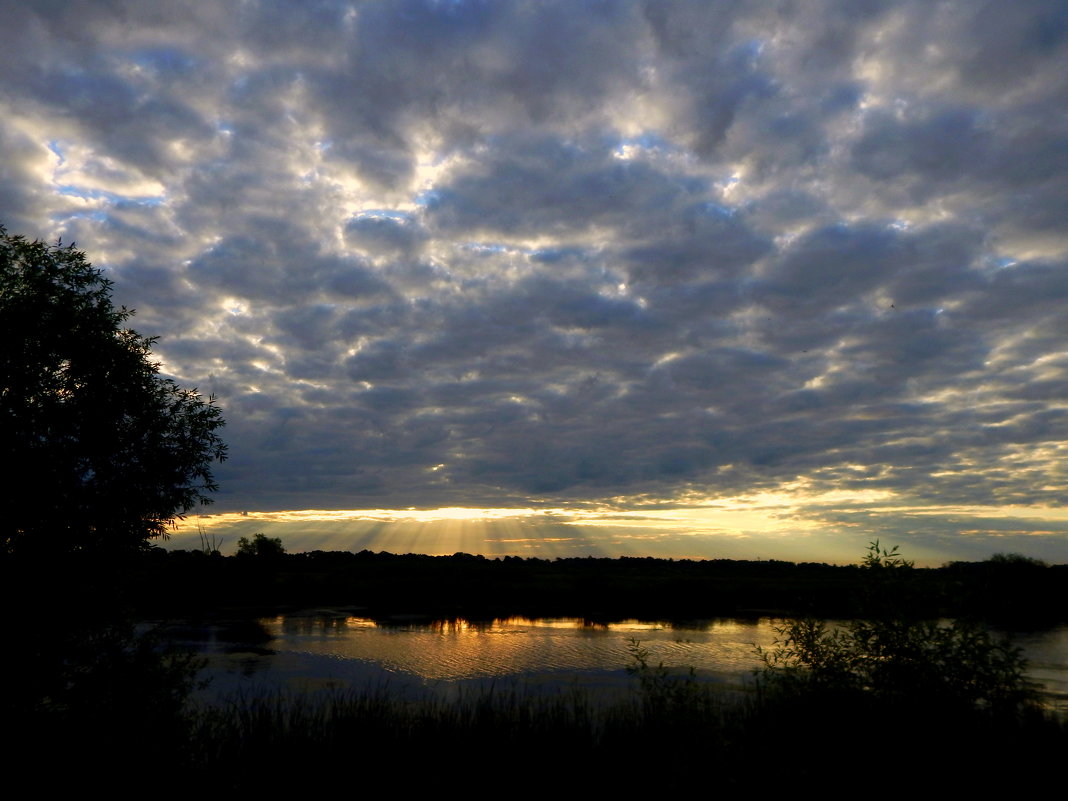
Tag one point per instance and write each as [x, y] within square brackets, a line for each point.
[1008, 590]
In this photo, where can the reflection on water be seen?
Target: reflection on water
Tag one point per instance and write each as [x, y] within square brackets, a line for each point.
[330, 648]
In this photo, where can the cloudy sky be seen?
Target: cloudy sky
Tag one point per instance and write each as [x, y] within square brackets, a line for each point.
[760, 279]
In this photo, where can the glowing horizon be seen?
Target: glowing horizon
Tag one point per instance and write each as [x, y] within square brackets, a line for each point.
[831, 527]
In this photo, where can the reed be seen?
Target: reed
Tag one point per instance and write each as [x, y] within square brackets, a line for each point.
[670, 733]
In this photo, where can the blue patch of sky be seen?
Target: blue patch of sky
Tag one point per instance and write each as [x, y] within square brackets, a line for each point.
[53, 145]
[750, 50]
[111, 197]
[95, 216]
[379, 214]
[429, 199]
[553, 255]
[483, 247]
[164, 59]
[994, 263]
[645, 141]
[714, 209]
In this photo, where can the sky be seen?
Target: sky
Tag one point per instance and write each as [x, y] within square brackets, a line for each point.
[684, 279]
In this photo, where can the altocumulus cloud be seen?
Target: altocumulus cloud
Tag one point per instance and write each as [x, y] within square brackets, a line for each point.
[606, 254]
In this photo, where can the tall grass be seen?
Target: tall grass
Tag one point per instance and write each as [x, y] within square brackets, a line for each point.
[260, 742]
[671, 732]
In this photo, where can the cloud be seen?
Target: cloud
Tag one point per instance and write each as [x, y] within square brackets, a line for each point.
[501, 253]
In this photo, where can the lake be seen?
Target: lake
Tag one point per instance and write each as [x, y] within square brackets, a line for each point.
[337, 648]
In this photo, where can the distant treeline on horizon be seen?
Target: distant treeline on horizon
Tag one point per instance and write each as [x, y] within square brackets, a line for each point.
[1006, 589]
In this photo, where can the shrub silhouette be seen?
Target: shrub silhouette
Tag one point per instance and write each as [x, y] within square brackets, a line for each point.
[893, 655]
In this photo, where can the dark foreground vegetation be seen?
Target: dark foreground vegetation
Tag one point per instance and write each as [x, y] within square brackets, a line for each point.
[894, 696]
[670, 736]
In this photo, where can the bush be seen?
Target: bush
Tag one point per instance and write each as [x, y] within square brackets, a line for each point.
[891, 655]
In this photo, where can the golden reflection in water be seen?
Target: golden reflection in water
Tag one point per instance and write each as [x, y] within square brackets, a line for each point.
[456, 626]
[332, 649]
[460, 649]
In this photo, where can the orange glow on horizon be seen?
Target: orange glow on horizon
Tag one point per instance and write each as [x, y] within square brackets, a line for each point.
[793, 524]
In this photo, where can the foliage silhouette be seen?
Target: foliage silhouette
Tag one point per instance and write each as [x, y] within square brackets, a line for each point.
[210, 545]
[115, 450]
[260, 546]
[660, 686]
[893, 654]
[102, 454]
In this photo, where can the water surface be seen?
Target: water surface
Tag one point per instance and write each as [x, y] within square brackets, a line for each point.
[337, 649]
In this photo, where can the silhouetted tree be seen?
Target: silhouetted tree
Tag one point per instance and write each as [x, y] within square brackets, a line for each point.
[260, 546]
[102, 452]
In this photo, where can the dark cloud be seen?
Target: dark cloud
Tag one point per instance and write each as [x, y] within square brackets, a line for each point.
[384, 234]
[511, 253]
[556, 188]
